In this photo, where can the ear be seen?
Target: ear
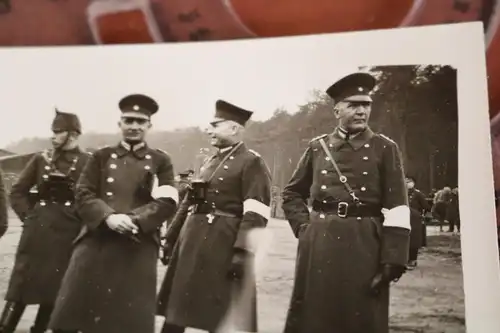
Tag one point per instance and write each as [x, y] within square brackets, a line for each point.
[150, 125]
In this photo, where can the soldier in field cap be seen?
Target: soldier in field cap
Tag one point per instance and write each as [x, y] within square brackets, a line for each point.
[44, 201]
[212, 260]
[355, 240]
[124, 195]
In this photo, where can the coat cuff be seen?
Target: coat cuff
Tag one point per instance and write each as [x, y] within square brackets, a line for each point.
[395, 245]
[95, 213]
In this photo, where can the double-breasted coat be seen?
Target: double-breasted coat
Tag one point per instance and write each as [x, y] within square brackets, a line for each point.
[49, 228]
[110, 284]
[418, 206]
[197, 291]
[339, 256]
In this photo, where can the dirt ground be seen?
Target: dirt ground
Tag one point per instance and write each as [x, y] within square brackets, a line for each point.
[429, 299]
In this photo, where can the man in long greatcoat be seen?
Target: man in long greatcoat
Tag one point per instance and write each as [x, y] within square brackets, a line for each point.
[124, 195]
[43, 199]
[355, 240]
[211, 271]
[418, 207]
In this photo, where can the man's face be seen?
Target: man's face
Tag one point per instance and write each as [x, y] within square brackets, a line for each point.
[410, 184]
[353, 115]
[222, 133]
[59, 138]
[134, 126]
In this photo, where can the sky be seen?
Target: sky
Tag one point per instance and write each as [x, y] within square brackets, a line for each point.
[185, 79]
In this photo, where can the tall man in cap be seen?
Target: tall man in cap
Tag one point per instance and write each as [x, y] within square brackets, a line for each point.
[124, 195]
[355, 240]
[43, 199]
[212, 261]
[418, 207]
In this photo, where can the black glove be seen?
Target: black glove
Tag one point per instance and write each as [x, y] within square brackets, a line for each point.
[386, 274]
[301, 229]
[166, 254]
[238, 265]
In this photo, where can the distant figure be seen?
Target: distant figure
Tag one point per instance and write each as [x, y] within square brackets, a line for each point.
[4, 217]
[184, 182]
[418, 206]
[440, 207]
[44, 201]
[453, 213]
[355, 241]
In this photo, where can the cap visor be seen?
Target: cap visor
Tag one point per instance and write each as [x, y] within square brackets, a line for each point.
[358, 98]
[133, 114]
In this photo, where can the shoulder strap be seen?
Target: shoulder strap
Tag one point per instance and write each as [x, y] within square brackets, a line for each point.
[223, 161]
[342, 178]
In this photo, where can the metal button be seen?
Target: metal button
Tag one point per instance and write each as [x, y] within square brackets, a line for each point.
[330, 145]
[42, 203]
[72, 168]
[45, 176]
[114, 155]
[358, 218]
[321, 216]
[47, 167]
[112, 166]
[147, 167]
[221, 179]
[148, 157]
[365, 158]
[109, 194]
[365, 173]
[110, 180]
[363, 189]
[231, 157]
[367, 145]
[327, 158]
[216, 191]
[324, 172]
[226, 167]
[67, 203]
[323, 187]
[324, 201]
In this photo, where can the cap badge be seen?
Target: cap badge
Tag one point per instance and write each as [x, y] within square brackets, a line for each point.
[136, 107]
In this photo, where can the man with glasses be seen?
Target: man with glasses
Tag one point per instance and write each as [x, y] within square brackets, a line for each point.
[124, 195]
[210, 281]
[44, 201]
[355, 240]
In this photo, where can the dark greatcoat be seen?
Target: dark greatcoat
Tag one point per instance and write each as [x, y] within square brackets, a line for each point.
[110, 284]
[418, 205]
[338, 257]
[4, 217]
[197, 291]
[49, 229]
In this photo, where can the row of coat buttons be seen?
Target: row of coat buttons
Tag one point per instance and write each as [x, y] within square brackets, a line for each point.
[324, 187]
[324, 172]
[43, 203]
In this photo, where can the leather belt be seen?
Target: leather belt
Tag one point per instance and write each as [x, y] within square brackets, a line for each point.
[202, 209]
[347, 209]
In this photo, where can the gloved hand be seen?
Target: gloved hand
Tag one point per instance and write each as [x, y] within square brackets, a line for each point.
[385, 276]
[301, 229]
[238, 266]
[166, 254]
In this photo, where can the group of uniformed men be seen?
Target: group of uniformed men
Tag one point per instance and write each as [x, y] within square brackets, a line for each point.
[89, 247]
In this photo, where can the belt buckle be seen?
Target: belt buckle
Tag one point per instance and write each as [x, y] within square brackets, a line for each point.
[342, 209]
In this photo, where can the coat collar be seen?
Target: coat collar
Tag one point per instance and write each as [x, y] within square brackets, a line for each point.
[139, 150]
[337, 138]
[67, 155]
